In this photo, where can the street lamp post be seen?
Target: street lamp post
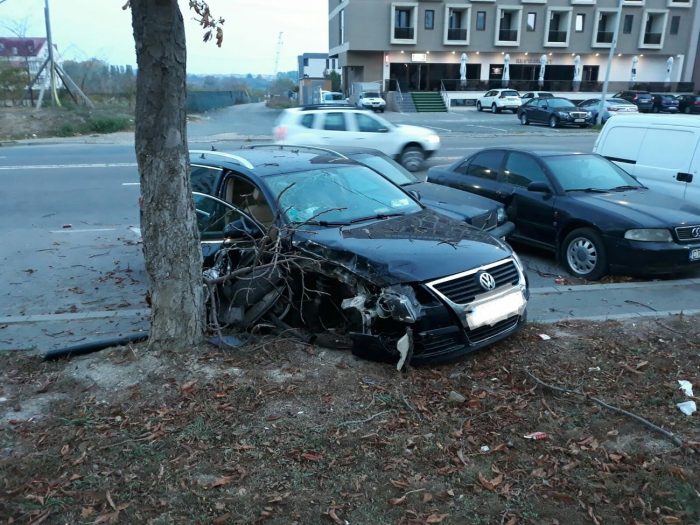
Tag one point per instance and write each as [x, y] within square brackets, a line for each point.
[613, 45]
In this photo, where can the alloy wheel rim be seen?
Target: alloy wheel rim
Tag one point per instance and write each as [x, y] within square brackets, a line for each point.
[412, 160]
[582, 255]
[523, 118]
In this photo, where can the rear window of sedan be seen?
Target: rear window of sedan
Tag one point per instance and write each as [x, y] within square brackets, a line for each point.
[509, 93]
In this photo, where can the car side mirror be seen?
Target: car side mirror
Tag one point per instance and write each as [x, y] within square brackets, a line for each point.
[539, 187]
[242, 229]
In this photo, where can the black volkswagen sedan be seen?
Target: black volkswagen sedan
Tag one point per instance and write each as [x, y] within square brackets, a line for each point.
[364, 258]
[554, 112]
[595, 217]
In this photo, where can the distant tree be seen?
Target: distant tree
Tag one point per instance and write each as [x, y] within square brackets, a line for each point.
[13, 82]
[169, 227]
[281, 86]
[334, 77]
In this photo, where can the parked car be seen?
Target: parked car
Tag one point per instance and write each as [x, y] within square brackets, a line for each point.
[662, 103]
[346, 126]
[595, 217]
[613, 106]
[371, 100]
[688, 103]
[370, 261]
[641, 99]
[535, 94]
[482, 213]
[330, 97]
[661, 151]
[498, 100]
[554, 111]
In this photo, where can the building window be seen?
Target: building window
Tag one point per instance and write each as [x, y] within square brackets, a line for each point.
[341, 18]
[306, 62]
[404, 16]
[531, 21]
[429, 19]
[675, 22]
[557, 30]
[607, 20]
[627, 24]
[458, 18]
[580, 22]
[481, 20]
[508, 22]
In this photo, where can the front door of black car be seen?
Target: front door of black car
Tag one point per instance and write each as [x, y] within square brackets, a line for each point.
[480, 175]
[213, 216]
[532, 212]
[542, 110]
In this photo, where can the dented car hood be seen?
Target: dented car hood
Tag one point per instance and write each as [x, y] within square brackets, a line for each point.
[413, 248]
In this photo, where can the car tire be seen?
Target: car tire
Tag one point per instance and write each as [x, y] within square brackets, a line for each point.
[687, 110]
[478, 106]
[654, 109]
[494, 108]
[553, 122]
[583, 254]
[412, 158]
[524, 120]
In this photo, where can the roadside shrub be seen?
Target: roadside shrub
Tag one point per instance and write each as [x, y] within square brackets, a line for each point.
[108, 124]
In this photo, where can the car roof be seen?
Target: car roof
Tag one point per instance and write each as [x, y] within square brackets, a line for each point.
[537, 152]
[265, 162]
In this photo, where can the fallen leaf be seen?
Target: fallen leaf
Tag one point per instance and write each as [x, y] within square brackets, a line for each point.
[539, 473]
[222, 481]
[65, 449]
[332, 515]
[87, 512]
[397, 501]
[221, 520]
[513, 520]
[427, 497]
[399, 484]
[492, 483]
[671, 519]
[110, 500]
[436, 518]
[312, 456]
[187, 388]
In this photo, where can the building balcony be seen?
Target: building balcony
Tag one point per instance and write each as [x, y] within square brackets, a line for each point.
[652, 39]
[508, 35]
[557, 37]
[457, 34]
[403, 33]
[604, 37]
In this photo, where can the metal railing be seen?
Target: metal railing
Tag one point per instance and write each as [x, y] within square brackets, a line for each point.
[448, 85]
[604, 37]
[403, 33]
[652, 38]
[457, 34]
[508, 35]
[557, 36]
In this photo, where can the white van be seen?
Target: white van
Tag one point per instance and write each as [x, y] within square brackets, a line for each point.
[662, 151]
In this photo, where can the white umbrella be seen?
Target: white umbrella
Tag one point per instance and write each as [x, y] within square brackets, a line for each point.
[578, 72]
[463, 69]
[543, 65]
[669, 68]
[506, 70]
[635, 62]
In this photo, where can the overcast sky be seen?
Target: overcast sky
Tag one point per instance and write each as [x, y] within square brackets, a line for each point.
[84, 29]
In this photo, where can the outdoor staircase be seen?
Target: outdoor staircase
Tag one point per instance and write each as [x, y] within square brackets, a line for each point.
[428, 101]
[405, 104]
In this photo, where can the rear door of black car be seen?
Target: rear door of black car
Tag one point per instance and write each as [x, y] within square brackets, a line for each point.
[479, 174]
[531, 211]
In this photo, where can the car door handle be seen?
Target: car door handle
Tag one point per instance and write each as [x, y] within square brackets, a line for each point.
[684, 177]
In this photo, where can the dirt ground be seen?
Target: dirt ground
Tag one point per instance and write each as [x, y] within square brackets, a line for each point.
[283, 432]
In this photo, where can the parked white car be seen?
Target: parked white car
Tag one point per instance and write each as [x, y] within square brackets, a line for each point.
[499, 99]
[371, 100]
[347, 126]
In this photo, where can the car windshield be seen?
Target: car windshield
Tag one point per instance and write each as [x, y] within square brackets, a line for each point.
[371, 94]
[560, 103]
[509, 93]
[338, 195]
[391, 169]
[618, 101]
[588, 173]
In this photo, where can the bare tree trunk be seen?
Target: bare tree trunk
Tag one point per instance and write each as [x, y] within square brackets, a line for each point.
[168, 225]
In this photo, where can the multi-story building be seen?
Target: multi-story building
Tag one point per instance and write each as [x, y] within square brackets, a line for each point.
[27, 53]
[421, 44]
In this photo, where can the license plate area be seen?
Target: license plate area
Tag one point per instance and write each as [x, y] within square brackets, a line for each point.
[695, 254]
[495, 310]
[579, 120]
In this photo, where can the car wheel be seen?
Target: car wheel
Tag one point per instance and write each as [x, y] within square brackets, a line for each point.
[583, 254]
[553, 122]
[687, 110]
[494, 108]
[412, 158]
[654, 109]
[478, 107]
[523, 119]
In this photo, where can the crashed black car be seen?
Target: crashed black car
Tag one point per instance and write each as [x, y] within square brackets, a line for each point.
[338, 248]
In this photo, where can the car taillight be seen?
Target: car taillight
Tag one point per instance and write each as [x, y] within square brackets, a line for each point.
[634, 98]
[696, 103]
[280, 133]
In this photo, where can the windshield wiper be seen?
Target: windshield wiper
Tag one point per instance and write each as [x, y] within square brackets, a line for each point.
[625, 187]
[378, 216]
[590, 190]
[323, 224]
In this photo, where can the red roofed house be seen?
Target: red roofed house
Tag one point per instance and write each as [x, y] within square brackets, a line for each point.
[30, 53]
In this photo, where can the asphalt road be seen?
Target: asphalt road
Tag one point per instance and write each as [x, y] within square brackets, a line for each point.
[71, 260]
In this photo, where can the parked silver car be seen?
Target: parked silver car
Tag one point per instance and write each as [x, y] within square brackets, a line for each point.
[613, 106]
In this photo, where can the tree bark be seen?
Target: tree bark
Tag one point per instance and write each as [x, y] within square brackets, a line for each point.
[168, 222]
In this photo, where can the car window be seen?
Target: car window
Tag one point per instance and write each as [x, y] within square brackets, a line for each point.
[489, 93]
[531, 103]
[212, 216]
[528, 95]
[203, 178]
[509, 93]
[334, 122]
[580, 172]
[522, 169]
[387, 167]
[368, 124]
[560, 103]
[485, 165]
[246, 196]
[541, 103]
[307, 120]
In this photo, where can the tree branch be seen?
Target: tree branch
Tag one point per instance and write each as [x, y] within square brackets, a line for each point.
[669, 435]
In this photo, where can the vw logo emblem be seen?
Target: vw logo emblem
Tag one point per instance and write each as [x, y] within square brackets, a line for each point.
[695, 232]
[487, 281]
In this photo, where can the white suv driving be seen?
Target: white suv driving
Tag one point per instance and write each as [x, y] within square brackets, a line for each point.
[346, 126]
[499, 99]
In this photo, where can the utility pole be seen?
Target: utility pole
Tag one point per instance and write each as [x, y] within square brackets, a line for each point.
[52, 66]
[613, 45]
